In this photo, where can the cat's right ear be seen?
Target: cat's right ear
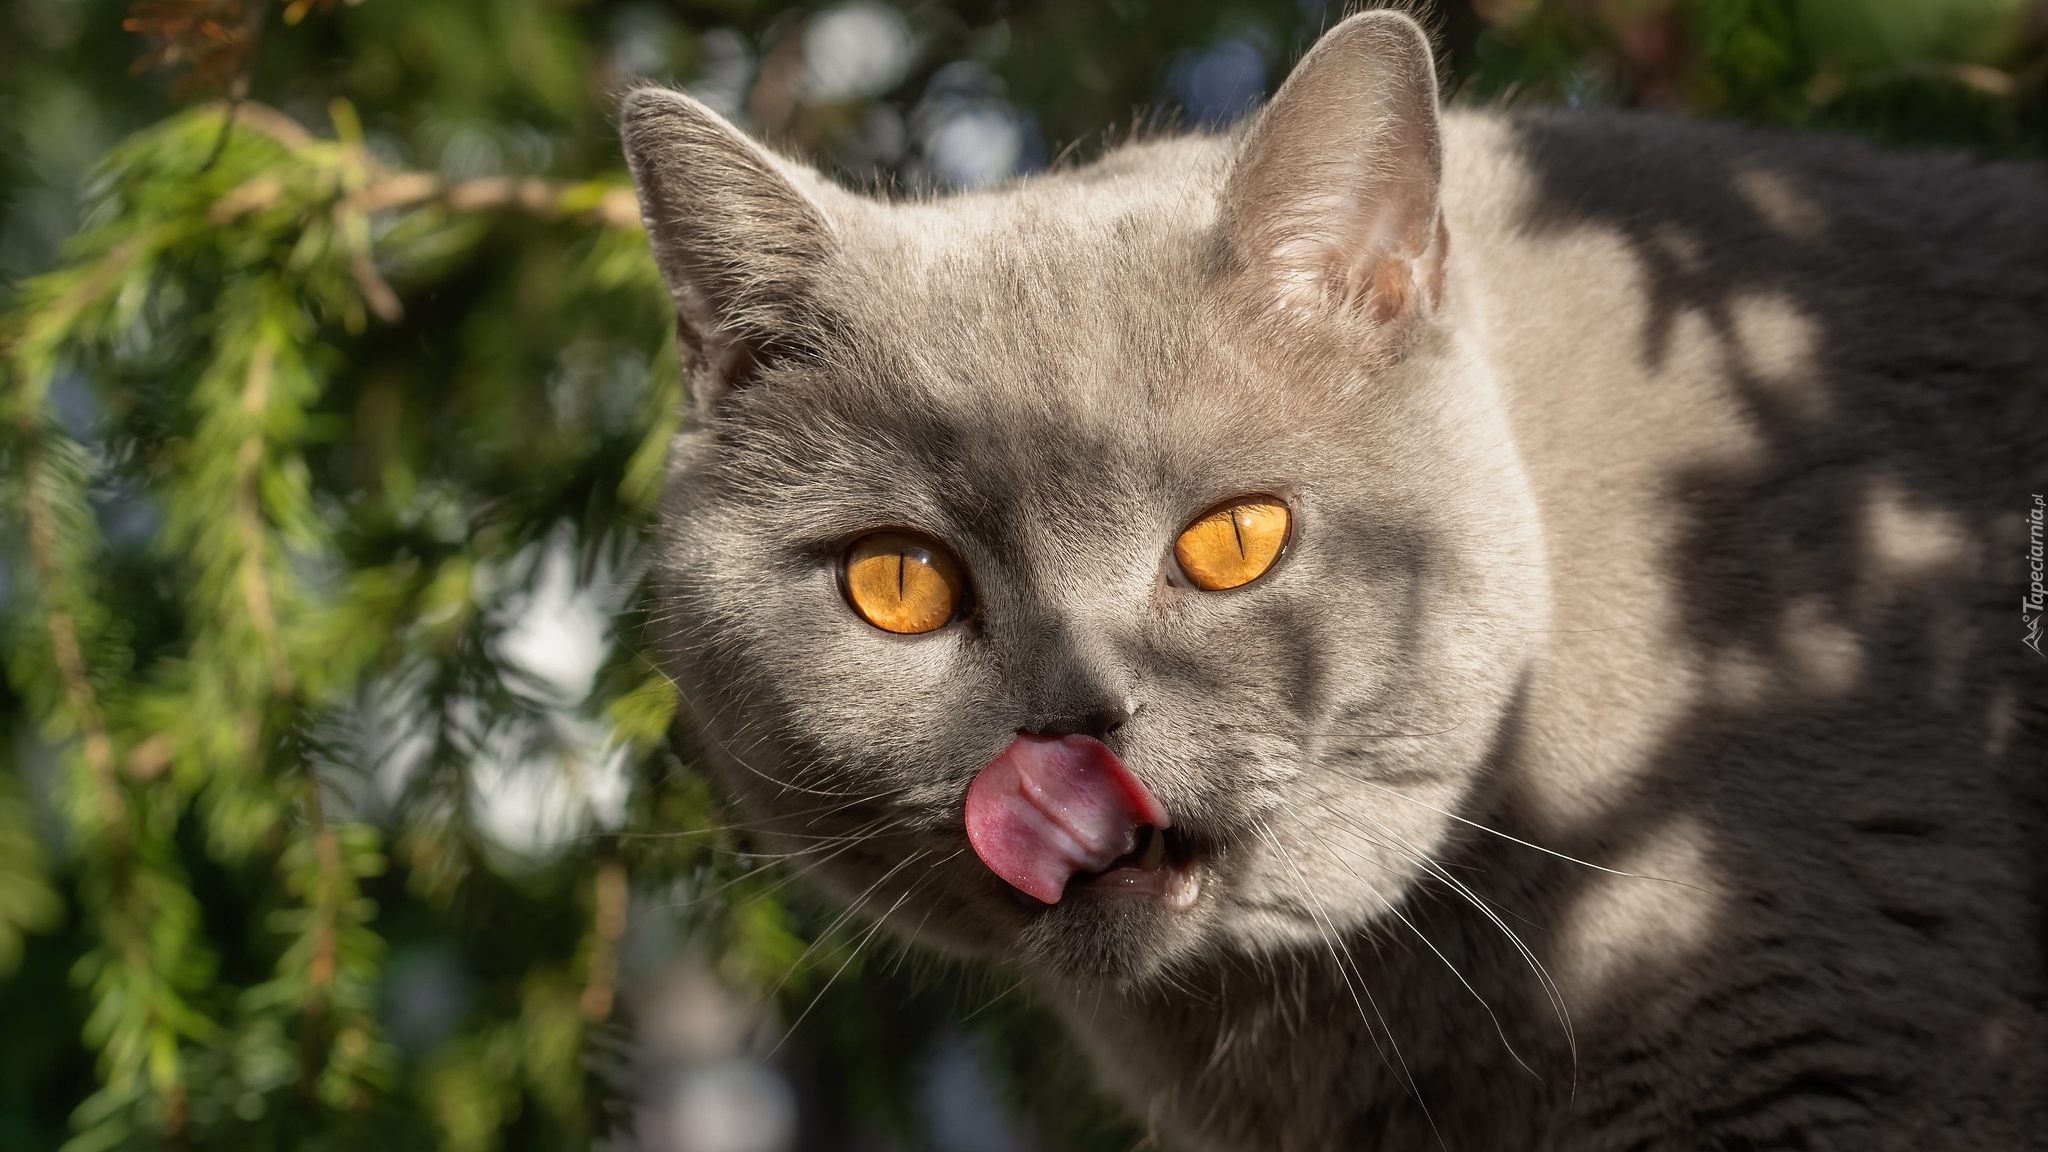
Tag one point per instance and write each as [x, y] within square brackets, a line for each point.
[1331, 209]
[737, 239]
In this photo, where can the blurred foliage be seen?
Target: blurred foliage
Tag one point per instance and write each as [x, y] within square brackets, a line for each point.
[1953, 72]
[322, 402]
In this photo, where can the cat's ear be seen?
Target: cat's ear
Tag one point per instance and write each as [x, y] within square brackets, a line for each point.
[738, 240]
[1331, 206]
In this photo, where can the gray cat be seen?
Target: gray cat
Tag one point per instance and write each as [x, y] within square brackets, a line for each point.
[1480, 630]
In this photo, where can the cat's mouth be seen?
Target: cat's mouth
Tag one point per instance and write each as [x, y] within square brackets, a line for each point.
[1163, 867]
[1060, 815]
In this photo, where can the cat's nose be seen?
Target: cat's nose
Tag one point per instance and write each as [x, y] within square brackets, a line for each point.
[1098, 723]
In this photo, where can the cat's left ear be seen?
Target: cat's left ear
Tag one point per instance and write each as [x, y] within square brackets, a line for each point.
[1332, 204]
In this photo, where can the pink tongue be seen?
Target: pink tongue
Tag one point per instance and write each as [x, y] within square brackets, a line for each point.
[1049, 807]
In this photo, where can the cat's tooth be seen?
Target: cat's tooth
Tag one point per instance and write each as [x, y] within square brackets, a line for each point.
[1155, 851]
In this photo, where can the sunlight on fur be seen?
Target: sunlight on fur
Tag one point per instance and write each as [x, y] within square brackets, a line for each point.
[1633, 928]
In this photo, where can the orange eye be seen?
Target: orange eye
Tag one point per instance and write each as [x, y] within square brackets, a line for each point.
[903, 582]
[1234, 544]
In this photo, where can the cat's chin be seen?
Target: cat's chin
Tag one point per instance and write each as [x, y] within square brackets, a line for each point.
[1125, 926]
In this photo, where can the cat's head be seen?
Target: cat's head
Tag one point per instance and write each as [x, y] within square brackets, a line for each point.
[1169, 491]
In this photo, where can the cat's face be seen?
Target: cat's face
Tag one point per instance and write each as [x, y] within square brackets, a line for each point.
[1022, 402]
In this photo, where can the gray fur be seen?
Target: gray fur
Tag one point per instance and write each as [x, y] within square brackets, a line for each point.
[1658, 502]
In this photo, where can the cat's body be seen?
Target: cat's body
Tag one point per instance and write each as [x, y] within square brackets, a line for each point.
[1662, 508]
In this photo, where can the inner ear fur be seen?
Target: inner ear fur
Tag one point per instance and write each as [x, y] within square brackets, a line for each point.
[1332, 204]
[738, 240]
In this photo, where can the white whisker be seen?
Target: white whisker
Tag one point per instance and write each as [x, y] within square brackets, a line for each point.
[1328, 928]
[853, 908]
[1431, 945]
[850, 957]
[1527, 844]
[1549, 985]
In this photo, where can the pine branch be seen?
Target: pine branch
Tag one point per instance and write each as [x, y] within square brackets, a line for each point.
[265, 250]
[64, 645]
[249, 519]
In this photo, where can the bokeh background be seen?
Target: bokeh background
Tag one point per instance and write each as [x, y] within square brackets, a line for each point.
[339, 806]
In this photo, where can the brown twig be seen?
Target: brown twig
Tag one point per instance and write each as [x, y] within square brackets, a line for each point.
[608, 926]
[272, 123]
[615, 207]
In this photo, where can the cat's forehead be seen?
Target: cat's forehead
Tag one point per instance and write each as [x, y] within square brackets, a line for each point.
[1050, 283]
[1076, 326]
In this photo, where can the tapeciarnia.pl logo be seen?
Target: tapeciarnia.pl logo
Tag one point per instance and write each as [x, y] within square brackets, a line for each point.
[2034, 605]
